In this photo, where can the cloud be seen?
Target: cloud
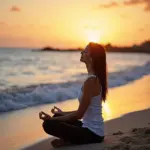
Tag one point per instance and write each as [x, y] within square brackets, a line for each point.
[15, 9]
[136, 2]
[114, 4]
[110, 5]
[132, 2]
[147, 25]
[147, 8]
[141, 29]
[2, 23]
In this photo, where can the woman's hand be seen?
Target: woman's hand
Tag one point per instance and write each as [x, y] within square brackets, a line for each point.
[56, 110]
[44, 116]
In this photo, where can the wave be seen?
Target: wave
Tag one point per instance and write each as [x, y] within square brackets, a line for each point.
[17, 98]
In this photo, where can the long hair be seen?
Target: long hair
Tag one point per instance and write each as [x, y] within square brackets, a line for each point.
[98, 55]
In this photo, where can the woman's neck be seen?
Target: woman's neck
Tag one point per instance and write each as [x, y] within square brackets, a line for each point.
[89, 69]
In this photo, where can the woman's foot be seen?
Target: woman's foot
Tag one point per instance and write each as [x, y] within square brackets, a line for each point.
[59, 143]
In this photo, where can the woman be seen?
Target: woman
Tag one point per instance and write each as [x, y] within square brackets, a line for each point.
[67, 125]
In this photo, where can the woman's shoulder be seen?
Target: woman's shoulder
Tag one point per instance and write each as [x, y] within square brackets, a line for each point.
[90, 81]
[91, 76]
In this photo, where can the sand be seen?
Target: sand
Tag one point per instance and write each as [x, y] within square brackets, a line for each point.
[130, 131]
[135, 135]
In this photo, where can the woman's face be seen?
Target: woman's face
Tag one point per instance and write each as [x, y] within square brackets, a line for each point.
[85, 55]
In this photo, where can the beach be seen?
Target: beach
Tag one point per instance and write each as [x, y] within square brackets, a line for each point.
[127, 107]
[131, 126]
[135, 135]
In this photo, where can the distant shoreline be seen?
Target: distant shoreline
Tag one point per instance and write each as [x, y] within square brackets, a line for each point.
[109, 51]
[142, 48]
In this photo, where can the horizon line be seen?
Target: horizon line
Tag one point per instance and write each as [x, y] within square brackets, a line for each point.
[38, 47]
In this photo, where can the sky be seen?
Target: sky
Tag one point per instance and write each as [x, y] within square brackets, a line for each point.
[73, 23]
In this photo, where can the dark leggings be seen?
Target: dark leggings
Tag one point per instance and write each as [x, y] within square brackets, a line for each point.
[71, 131]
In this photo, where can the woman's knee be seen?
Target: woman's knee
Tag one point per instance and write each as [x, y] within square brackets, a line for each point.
[45, 125]
[49, 125]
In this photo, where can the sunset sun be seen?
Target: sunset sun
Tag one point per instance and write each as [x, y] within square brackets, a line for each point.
[93, 35]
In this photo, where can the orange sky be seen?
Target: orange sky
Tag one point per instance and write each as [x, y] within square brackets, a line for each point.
[73, 23]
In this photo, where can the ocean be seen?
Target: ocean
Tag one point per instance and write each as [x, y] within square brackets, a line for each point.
[29, 78]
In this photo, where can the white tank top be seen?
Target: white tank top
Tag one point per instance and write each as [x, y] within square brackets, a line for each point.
[92, 118]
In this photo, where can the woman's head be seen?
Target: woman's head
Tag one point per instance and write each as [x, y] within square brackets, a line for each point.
[95, 55]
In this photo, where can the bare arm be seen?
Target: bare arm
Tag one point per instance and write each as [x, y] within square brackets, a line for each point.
[85, 102]
[68, 112]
